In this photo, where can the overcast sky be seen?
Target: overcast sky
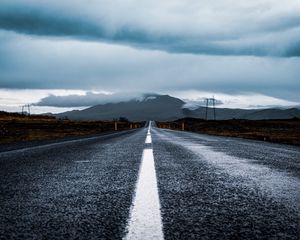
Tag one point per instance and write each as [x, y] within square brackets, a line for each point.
[243, 52]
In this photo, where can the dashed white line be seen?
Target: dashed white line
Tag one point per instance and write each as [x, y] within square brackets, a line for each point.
[148, 139]
[145, 217]
[83, 161]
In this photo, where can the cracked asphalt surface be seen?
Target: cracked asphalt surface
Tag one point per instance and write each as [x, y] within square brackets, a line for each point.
[209, 187]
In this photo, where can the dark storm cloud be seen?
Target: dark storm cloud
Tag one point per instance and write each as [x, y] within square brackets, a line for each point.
[232, 30]
[28, 21]
[45, 23]
[39, 63]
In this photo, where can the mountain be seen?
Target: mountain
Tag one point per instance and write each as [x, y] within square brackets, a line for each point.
[165, 108]
[158, 107]
[274, 113]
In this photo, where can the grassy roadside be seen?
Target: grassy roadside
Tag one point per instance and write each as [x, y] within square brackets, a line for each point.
[277, 131]
[19, 128]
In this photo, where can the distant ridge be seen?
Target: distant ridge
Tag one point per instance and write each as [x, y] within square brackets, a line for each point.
[167, 108]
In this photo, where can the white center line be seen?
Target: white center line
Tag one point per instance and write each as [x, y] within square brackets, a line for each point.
[148, 139]
[83, 161]
[145, 217]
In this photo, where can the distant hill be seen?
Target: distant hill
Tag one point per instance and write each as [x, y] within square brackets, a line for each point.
[158, 107]
[167, 108]
[274, 114]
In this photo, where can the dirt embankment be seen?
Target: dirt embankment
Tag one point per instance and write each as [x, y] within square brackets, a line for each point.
[277, 131]
[21, 128]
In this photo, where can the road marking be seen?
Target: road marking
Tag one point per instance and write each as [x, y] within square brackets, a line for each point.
[148, 139]
[145, 217]
[149, 127]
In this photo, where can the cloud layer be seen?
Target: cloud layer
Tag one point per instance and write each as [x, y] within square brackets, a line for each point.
[237, 48]
[222, 27]
[86, 100]
[56, 101]
[192, 100]
[40, 63]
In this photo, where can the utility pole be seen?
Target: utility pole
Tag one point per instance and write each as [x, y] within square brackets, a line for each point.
[208, 101]
[214, 107]
[28, 106]
[24, 107]
[206, 108]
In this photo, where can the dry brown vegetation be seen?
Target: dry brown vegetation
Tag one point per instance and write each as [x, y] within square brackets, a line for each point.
[15, 127]
[277, 131]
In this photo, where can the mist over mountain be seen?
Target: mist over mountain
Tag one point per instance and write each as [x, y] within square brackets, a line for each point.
[166, 108]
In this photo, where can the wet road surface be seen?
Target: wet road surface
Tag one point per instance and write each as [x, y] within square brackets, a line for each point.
[154, 183]
[226, 188]
[79, 190]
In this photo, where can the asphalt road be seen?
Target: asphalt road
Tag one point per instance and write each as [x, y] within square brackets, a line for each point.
[158, 185]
